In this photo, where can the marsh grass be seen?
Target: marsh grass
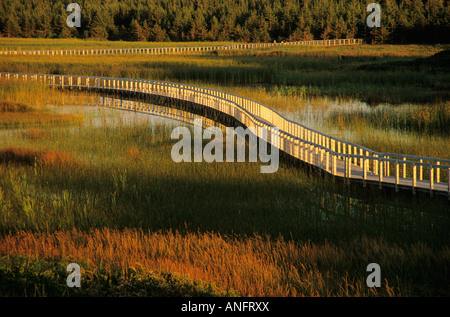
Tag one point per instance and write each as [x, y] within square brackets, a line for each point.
[255, 265]
[407, 129]
[20, 120]
[21, 156]
[140, 224]
[431, 119]
[24, 105]
[21, 44]
[342, 72]
[6, 106]
[33, 96]
[227, 225]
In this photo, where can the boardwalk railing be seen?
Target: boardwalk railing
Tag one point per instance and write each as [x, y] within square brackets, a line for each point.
[179, 50]
[337, 157]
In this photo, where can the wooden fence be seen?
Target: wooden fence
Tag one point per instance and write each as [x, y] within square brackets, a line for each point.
[178, 50]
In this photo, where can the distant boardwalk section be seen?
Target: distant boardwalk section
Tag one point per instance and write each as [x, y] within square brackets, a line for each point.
[180, 50]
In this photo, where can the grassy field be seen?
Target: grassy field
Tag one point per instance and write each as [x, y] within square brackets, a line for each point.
[109, 197]
[29, 44]
[289, 78]
[382, 74]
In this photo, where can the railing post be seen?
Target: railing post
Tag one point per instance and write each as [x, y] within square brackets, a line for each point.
[380, 175]
[404, 168]
[387, 167]
[396, 175]
[414, 171]
[361, 160]
[438, 172]
[421, 170]
[364, 171]
[349, 172]
[431, 180]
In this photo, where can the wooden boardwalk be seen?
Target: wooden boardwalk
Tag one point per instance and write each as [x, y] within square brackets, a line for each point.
[333, 156]
[178, 50]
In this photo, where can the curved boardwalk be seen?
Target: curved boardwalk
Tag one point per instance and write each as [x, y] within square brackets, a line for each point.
[338, 158]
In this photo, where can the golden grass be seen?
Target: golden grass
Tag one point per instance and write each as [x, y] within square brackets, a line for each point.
[16, 111]
[133, 152]
[23, 44]
[7, 106]
[23, 156]
[18, 119]
[34, 134]
[253, 266]
[36, 96]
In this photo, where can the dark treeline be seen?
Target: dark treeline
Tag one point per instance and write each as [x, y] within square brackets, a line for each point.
[402, 21]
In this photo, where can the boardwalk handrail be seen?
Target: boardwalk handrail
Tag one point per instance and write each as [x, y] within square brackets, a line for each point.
[291, 123]
[180, 49]
[335, 156]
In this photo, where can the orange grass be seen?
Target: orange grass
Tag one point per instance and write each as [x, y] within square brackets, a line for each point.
[7, 106]
[254, 266]
[23, 156]
[14, 114]
[13, 92]
[34, 134]
[18, 119]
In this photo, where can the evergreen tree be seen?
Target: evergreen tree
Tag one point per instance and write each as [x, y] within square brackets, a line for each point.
[158, 34]
[138, 32]
[12, 27]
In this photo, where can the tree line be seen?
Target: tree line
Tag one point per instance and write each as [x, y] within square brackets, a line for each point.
[402, 21]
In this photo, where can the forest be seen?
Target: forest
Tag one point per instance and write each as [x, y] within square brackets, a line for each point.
[402, 21]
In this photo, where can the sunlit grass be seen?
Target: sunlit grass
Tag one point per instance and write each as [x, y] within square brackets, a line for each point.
[22, 44]
[343, 72]
[254, 266]
[107, 195]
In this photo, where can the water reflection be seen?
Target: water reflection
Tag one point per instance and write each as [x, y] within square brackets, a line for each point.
[94, 116]
[317, 117]
[97, 116]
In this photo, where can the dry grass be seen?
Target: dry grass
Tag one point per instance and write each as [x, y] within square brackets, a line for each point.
[134, 153]
[19, 119]
[23, 156]
[253, 266]
[8, 106]
[224, 200]
[15, 111]
[23, 93]
[35, 134]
